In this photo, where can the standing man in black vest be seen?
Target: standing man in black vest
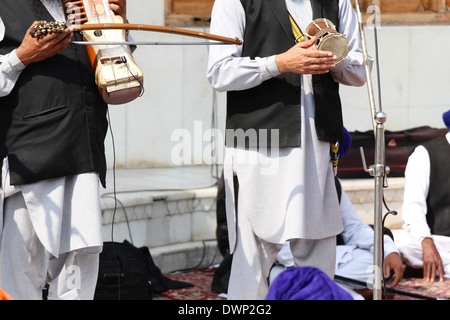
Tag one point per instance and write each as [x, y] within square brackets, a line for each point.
[52, 129]
[283, 112]
[424, 241]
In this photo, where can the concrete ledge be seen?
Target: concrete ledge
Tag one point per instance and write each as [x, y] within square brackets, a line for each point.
[362, 194]
[156, 220]
[179, 227]
[182, 256]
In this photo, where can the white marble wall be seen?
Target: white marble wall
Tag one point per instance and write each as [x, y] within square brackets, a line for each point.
[414, 78]
[414, 74]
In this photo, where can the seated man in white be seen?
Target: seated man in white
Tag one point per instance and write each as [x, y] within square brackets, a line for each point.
[424, 241]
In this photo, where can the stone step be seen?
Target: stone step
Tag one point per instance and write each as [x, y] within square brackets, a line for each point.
[172, 211]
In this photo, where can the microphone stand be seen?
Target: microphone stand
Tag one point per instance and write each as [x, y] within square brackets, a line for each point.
[378, 170]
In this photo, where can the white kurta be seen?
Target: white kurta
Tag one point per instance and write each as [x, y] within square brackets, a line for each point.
[290, 192]
[414, 208]
[414, 213]
[65, 212]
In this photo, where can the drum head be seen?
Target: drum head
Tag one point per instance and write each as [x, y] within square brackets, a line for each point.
[337, 44]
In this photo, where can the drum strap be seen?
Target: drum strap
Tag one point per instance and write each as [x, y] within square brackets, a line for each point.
[298, 34]
[334, 146]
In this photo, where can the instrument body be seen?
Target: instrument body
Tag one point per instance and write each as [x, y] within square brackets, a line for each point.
[328, 39]
[118, 77]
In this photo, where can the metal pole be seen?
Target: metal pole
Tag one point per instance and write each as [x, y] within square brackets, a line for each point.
[373, 108]
[378, 172]
[378, 169]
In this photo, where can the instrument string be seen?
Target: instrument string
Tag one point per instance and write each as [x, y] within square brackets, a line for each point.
[124, 60]
[108, 17]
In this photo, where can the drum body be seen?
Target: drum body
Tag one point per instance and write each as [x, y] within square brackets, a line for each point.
[328, 39]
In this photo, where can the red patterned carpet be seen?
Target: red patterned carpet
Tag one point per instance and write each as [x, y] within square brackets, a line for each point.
[202, 279]
[439, 290]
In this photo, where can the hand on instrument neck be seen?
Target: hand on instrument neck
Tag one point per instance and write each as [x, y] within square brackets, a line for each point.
[119, 7]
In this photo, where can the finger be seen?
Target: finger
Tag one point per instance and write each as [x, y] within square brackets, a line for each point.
[57, 38]
[327, 65]
[318, 54]
[395, 281]
[115, 8]
[308, 43]
[387, 275]
[387, 272]
[398, 275]
[425, 271]
[118, 6]
[46, 40]
[322, 66]
[432, 273]
[441, 272]
[55, 44]
[328, 61]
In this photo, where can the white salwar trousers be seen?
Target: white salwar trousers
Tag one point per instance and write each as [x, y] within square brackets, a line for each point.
[24, 275]
[50, 234]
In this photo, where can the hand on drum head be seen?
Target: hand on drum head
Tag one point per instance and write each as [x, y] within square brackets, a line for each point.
[304, 58]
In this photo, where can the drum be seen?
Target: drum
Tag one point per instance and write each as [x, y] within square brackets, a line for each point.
[328, 39]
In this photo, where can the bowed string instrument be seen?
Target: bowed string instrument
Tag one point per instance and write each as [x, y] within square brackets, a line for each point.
[118, 77]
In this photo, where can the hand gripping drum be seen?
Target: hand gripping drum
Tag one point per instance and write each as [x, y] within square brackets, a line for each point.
[328, 39]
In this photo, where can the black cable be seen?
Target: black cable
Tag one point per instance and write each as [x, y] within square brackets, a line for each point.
[114, 175]
[200, 262]
[393, 212]
[115, 205]
[125, 61]
[125, 213]
[114, 193]
[392, 290]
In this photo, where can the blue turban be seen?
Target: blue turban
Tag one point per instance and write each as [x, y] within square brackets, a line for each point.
[305, 283]
[446, 117]
[345, 145]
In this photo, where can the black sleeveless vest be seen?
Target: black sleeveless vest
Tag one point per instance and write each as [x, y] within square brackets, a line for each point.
[275, 104]
[53, 123]
[438, 199]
